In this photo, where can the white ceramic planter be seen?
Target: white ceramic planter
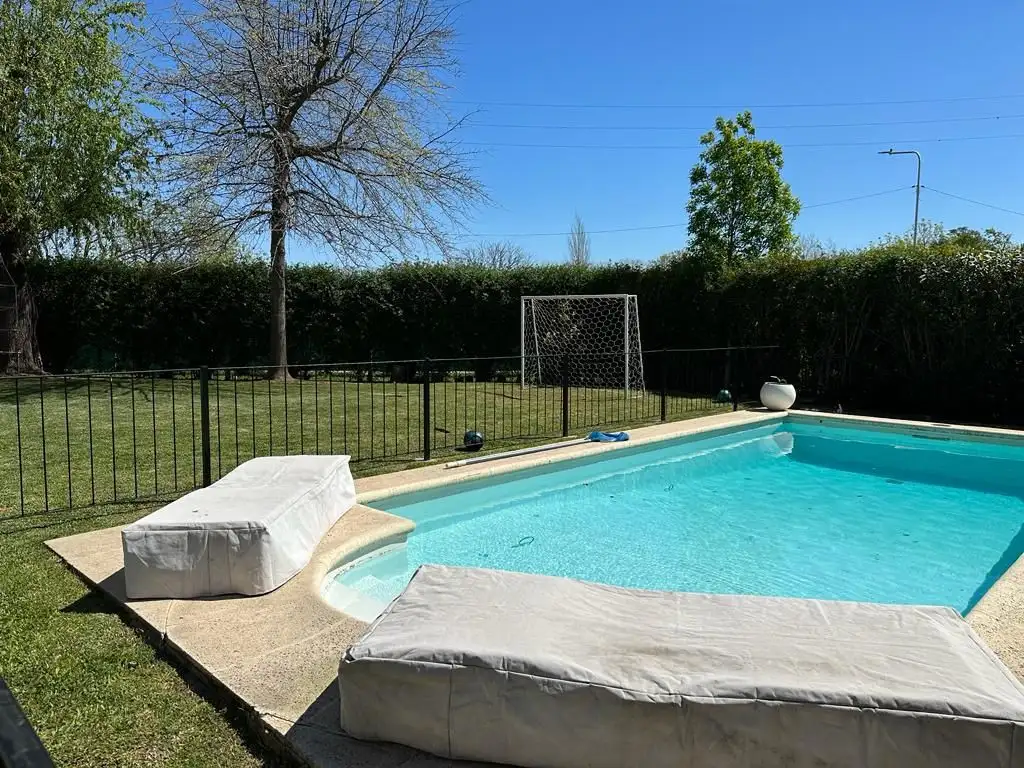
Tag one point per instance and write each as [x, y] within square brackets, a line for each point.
[777, 397]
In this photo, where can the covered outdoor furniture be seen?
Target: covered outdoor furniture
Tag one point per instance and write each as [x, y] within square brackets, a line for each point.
[542, 671]
[247, 534]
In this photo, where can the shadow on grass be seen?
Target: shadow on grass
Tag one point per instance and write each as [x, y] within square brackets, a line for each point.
[39, 521]
[25, 388]
[107, 597]
[90, 603]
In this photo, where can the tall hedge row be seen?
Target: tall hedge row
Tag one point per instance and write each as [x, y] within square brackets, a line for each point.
[900, 330]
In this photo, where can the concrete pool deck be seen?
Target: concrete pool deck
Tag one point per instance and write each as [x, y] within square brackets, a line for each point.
[276, 655]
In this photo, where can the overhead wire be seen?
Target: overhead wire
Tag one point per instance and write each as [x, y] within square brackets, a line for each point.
[878, 123]
[802, 105]
[787, 145]
[974, 202]
[669, 226]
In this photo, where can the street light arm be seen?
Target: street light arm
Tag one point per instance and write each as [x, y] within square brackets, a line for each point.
[917, 187]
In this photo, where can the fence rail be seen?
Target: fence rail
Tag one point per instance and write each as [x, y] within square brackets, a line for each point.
[84, 439]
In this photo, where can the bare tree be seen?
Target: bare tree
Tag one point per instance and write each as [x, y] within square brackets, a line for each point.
[809, 247]
[501, 254]
[318, 118]
[579, 244]
[183, 231]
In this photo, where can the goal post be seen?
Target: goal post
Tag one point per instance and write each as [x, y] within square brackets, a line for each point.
[597, 336]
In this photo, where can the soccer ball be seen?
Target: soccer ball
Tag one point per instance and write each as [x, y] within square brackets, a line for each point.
[472, 440]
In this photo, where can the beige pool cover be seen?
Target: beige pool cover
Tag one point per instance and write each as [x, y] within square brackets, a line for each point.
[543, 671]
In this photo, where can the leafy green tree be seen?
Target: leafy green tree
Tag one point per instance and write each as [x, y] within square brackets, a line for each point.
[672, 257]
[740, 208]
[73, 141]
[934, 236]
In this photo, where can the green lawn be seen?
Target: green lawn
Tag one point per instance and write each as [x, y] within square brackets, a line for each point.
[110, 439]
[95, 691]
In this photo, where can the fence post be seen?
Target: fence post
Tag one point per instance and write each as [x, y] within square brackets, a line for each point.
[426, 410]
[204, 421]
[565, 395]
[664, 385]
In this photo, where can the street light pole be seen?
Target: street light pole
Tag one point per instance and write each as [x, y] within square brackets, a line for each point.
[917, 187]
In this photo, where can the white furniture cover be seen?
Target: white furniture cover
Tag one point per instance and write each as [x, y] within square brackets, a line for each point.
[543, 671]
[248, 533]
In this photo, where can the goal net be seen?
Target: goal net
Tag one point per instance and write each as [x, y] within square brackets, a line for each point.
[597, 338]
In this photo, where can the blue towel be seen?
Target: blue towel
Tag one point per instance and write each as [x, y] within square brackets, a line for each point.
[608, 437]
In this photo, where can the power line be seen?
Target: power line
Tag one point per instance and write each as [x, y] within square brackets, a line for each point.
[975, 202]
[668, 226]
[566, 234]
[858, 197]
[868, 143]
[928, 121]
[806, 105]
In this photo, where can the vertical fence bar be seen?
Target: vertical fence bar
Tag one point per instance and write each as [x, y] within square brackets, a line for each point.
[524, 394]
[252, 397]
[135, 440]
[565, 396]
[113, 440]
[302, 418]
[67, 437]
[216, 394]
[234, 380]
[729, 384]
[42, 430]
[372, 425]
[192, 412]
[330, 407]
[152, 394]
[270, 417]
[204, 422]
[316, 412]
[664, 385]
[174, 435]
[21, 462]
[287, 448]
[92, 465]
[426, 410]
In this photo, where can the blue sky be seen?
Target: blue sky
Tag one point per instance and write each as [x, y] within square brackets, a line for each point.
[933, 76]
[663, 53]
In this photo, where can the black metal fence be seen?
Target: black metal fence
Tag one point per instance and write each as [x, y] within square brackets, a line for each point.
[84, 439]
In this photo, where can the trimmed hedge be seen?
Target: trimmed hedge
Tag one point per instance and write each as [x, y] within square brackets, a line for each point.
[907, 331]
[99, 315]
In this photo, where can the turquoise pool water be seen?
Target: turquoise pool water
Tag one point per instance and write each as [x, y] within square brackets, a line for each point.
[789, 509]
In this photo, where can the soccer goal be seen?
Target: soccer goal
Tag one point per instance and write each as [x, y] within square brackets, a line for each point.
[596, 337]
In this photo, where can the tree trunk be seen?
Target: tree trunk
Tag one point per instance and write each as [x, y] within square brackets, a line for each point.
[19, 348]
[278, 293]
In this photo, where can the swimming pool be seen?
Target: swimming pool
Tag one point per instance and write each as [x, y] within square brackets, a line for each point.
[790, 509]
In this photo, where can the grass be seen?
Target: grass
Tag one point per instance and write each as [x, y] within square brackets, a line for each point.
[76, 442]
[96, 692]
